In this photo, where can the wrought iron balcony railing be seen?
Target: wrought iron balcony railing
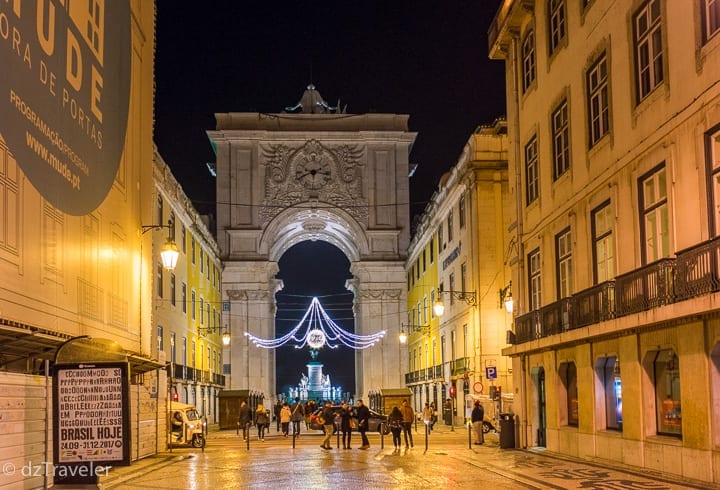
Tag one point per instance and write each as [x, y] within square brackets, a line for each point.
[694, 272]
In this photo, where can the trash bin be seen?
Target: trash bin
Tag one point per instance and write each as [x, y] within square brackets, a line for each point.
[507, 431]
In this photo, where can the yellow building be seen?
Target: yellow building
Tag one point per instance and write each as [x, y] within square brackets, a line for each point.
[458, 257]
[614, 115]
[188, 304]
[75, 178]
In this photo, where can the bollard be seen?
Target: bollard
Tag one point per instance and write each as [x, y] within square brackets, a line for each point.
[470, 435]
[237, 428]
[293, 439]
[247, 432]
[382, 435]
[427, 433]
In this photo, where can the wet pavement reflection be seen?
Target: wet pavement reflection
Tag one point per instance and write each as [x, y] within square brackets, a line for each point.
[449, 462]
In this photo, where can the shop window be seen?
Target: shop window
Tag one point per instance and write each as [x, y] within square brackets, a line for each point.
[609, 383]
[666, 379]
[568, 401]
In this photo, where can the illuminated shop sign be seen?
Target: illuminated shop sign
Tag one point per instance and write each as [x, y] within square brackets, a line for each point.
[64, 95]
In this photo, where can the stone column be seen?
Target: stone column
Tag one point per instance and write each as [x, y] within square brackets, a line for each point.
[380, 304]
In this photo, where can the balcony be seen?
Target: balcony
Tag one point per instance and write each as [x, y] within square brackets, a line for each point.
[426, 374]
[460, 366]
[694, 272]
[188, 373]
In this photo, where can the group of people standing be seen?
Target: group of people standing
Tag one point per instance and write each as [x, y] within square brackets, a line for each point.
[347, 421]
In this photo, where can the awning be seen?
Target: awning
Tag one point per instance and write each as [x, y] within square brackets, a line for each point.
[21, 343]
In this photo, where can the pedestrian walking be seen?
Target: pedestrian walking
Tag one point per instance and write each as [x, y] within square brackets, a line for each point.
[327, 423]
[276, 411]
[244, 418]
[285, 416]
[434, 418]
[261, 421]
[427, 415]
[363, 416]
[408, 416]
[298, 414]
[346, 414]
[477, 416]
[395, 420]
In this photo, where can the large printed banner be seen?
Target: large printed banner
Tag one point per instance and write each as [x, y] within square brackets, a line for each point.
[64, 95]
[91, 413]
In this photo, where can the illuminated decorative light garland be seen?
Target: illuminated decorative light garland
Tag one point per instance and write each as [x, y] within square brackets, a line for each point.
[316, 335]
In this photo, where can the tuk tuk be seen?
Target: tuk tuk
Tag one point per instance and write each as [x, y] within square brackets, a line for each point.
[185, 425]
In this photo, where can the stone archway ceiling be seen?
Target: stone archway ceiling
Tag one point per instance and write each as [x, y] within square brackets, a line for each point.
[326, 224]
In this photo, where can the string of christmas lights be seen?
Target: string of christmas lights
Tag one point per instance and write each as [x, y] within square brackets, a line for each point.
[320, 331]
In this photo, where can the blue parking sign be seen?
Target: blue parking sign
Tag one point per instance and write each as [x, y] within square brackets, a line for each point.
[491, 372]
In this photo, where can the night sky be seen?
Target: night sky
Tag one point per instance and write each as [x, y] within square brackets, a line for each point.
[421, 58]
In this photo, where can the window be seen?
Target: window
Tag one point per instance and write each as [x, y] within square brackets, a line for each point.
[561, 140]
[417, 269]
[192, 304]
[607, 373]
[172, 348]
[183, 297]
[183, 237]
[453, 343]
[202, 310]
[172, 289]
[171, 224]
[463, 276]
[409, 275]
[192, 249]
[568, 377]
[202, 261]
[425, 310]
[461, 211]
[432, 251]
[712, 144]
[648, 48]
[666, 379]
[159, 280]
[466, 350]
[598, 100]
[160, 209]
[654, 216]
[528, 60]
[440, 237]
[432, 302]
[534, 276]
[531, 171]
[184, 351]
[563, 248]
[160, 339]
[193, 359]
[603, 243]
[207, 266]
[452, 287]
[711, 18]
[450, 226]
[556, 16]
[424, 260]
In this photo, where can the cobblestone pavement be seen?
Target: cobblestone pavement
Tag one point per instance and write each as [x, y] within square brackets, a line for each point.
[449, 462]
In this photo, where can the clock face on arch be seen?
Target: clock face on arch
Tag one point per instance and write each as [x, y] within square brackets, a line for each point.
[313, 172]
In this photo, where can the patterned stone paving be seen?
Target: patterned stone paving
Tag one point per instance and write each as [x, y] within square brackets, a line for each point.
[448, 463]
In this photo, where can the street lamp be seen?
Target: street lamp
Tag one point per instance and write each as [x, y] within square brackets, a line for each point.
[406, 328]
[169, 253]
[506, 298]
[210, 330]
[468, 296]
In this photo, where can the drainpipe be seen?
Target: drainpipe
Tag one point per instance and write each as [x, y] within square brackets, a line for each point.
[519, 280]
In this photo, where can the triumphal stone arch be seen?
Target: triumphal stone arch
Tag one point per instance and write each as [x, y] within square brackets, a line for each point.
[313, 172]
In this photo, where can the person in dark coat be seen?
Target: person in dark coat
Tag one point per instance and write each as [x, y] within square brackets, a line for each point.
[346, 415]
[244, 418]
[395, 420]
[363, 417]
[476, 417]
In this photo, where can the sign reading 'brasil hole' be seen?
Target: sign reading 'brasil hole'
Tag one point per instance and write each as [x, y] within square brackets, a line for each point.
[64, 94]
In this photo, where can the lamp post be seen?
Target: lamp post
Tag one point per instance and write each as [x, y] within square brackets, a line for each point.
[470, 297]
[506, 298]
[169, 252]
[211, 330]
[408, 328]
